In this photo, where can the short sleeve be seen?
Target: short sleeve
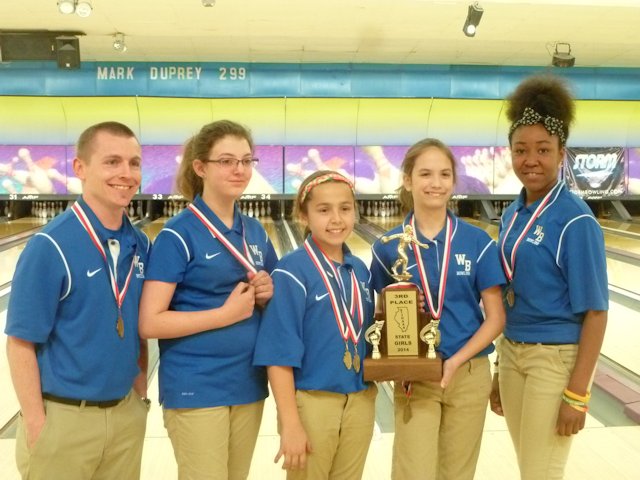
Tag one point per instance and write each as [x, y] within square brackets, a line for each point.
[582, 259]
[41, 279]
[169, 257]
[489, 271]
[280, 338]
[380, 276]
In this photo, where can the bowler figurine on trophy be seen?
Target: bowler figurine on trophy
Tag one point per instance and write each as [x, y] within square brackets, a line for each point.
[403, 336]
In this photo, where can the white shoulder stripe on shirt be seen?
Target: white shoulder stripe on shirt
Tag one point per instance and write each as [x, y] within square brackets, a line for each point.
[64, 260]
[375, 255]
[148, 241]
[565, 229]
[484, 250]
[184, 244]
[279, 270]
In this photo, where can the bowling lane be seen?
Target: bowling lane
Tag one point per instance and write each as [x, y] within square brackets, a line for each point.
[622, 226]
[8, 261]
[21, 225]
[153, 229]
[270, 226]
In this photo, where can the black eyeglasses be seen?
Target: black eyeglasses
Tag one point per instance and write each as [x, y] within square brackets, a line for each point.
[231, 162]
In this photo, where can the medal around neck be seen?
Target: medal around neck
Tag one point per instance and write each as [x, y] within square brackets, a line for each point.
[404, 337]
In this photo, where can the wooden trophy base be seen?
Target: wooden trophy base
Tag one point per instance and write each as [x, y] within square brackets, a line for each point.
[398, 369]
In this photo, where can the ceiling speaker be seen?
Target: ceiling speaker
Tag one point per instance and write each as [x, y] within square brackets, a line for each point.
[68, 52]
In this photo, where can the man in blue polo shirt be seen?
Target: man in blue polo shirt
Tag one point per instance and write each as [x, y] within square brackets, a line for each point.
[77, 363]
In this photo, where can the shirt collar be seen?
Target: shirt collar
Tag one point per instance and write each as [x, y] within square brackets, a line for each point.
[442, 234]
[123, 234]
[215, 220]
[522, 197]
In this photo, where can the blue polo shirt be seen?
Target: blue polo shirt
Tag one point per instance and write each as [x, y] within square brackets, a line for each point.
[560, 268]
[299, 328]
[61, 300]
[212, 368]
[474, 266]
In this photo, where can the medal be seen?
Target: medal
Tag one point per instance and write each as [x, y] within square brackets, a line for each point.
[117, 293]
[349, 319]
[510, 296]
[120, 326]
[435, 309]
[356, 361]
[509, 261]
[346, 358]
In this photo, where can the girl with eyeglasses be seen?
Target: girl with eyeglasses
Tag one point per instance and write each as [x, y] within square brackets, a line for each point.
[206, 283]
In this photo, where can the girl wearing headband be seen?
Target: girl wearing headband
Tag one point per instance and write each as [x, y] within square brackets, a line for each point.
[207, 279]
[552, 251]
[312, 339]
[438, 426]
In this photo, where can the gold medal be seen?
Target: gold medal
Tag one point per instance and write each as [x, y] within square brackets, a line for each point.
[510, 296]
[346, 358]
[120, 327]
[356, 362]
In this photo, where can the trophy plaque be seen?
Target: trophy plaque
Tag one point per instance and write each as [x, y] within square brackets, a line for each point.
[403, 336]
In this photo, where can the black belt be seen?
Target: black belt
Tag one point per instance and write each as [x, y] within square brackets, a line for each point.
[515, 342]
[80, 403]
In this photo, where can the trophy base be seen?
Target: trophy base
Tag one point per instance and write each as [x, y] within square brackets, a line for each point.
[399, 369]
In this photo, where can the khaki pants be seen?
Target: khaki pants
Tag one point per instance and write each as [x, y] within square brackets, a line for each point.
[532, 379]
[442, 438]
[81, 443]
[339, 428]
[214, 443]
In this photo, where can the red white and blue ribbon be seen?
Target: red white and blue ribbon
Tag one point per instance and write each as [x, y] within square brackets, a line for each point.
[509, 266]
[86, 224]
[345, 317]
[245, 260]
[435, 310]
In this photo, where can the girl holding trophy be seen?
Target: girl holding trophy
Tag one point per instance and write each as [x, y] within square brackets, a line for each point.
[438, 427]
[312, 339]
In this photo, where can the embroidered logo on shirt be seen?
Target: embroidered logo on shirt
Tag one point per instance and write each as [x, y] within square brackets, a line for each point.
[209, 257]
[539, 234]
[139, 265]
[320, 297]
[256, 253]
[366, 292]
[92, 273]
[461, 260]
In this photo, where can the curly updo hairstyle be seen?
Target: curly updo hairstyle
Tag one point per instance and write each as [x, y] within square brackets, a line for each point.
[546, 94]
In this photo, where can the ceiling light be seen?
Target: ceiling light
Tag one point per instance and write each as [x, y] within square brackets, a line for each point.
[83, 9]
[473, 19]
[562, 56]
[208, 3]
[118, 43]
[66, 6]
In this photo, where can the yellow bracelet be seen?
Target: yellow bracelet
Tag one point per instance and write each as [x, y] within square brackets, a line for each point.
[575, 396]
[584, 409]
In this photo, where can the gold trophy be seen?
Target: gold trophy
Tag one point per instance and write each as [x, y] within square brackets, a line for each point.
[404, 337]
